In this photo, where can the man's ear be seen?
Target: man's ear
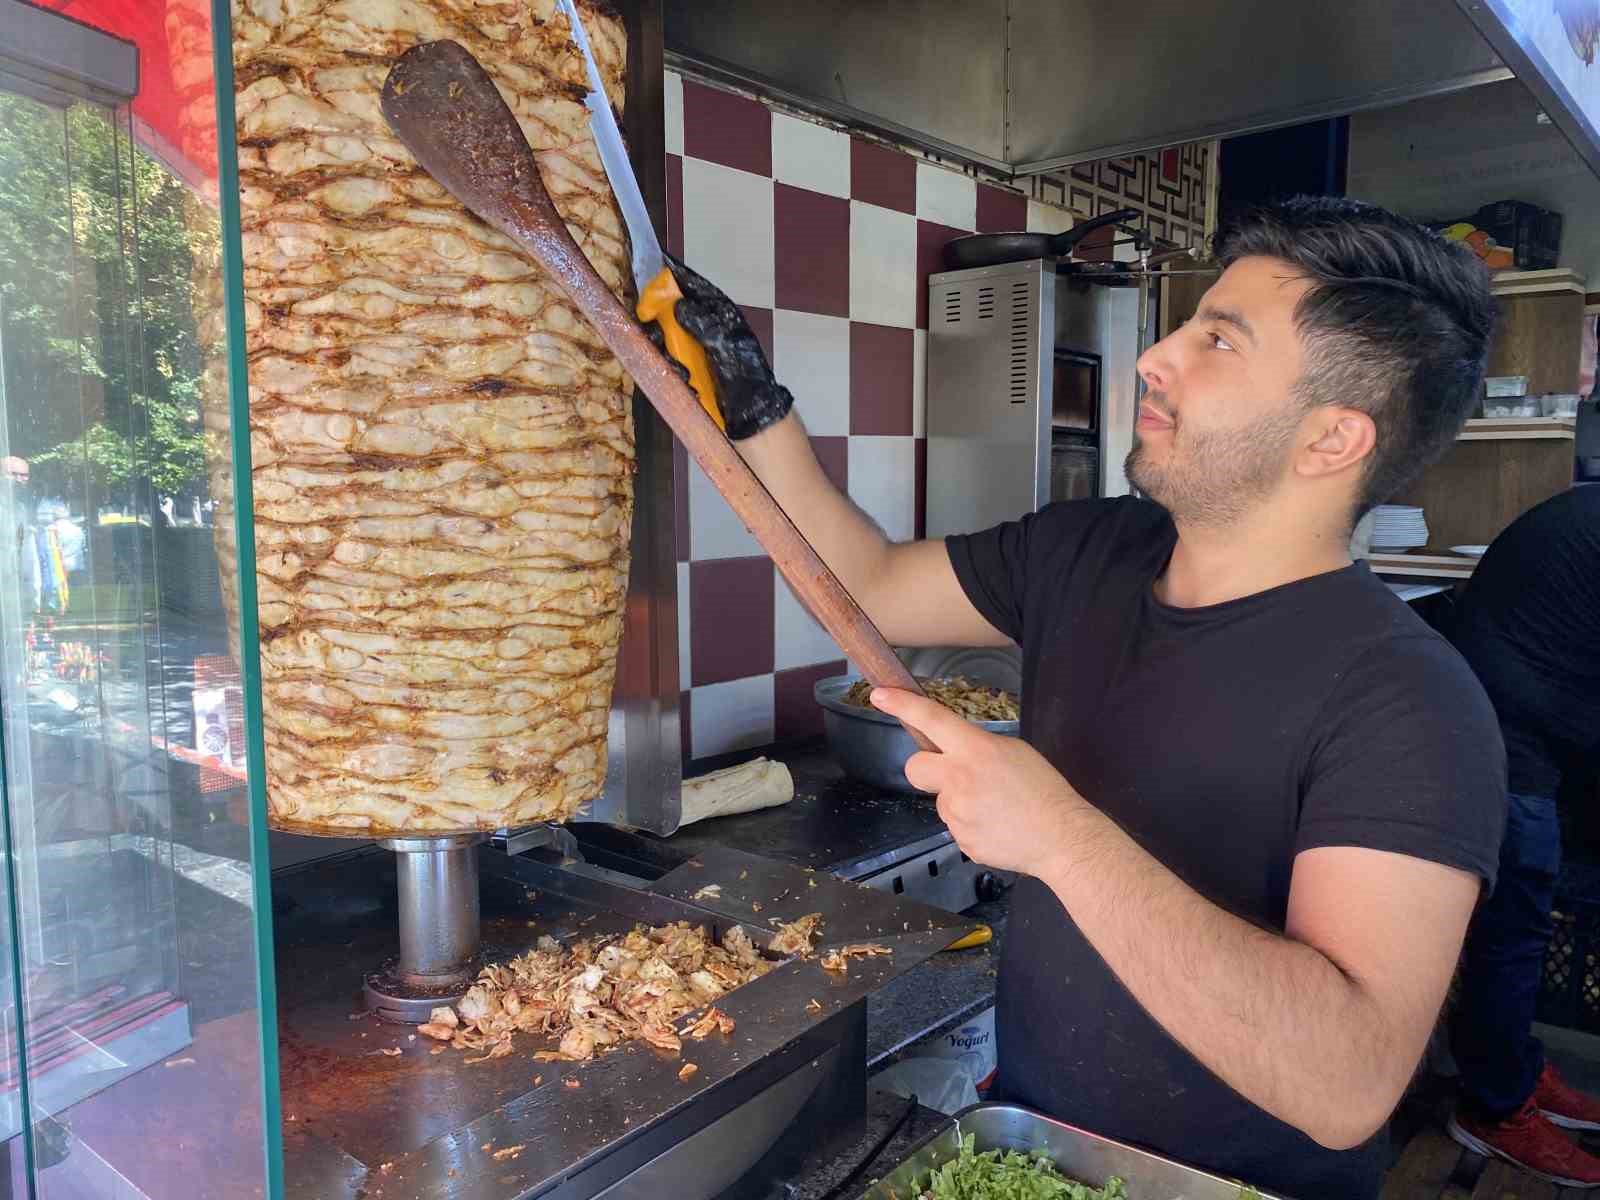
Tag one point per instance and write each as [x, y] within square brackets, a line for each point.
[1334, 440]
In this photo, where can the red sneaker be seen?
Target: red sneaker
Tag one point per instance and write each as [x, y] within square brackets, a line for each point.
[1528, 1140]
[1564, 1104]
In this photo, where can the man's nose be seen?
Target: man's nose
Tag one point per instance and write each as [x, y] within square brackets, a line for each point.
[1155, 366]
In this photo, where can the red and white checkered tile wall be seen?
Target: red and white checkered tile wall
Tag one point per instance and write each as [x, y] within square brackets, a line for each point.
[826, 241]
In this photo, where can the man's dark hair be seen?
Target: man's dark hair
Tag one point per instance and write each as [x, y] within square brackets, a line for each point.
[1397, 324]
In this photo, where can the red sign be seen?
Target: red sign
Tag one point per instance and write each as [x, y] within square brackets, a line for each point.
[175, 109]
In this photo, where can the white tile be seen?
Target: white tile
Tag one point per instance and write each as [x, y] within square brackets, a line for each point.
[714, 530]
[1047, 218]
[811, 357]
[728, 229]
[808, 155]
[683, 627]
[947, 197]
[919, 383]
[730, 716]
[672, 103]
[799, 641]
[883, 265]
[883, 481]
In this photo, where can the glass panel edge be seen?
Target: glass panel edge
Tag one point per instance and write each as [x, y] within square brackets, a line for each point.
[249, 628]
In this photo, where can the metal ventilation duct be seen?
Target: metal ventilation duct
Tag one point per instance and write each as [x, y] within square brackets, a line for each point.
[1028, 85]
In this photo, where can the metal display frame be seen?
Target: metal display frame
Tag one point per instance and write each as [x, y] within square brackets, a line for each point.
[1504, 26]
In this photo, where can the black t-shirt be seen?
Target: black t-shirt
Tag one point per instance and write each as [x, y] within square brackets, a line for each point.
[1529, 625]
[1224, 740]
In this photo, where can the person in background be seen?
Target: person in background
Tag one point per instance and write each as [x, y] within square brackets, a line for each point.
[72, 542]
[25, 538]
[1529, 625]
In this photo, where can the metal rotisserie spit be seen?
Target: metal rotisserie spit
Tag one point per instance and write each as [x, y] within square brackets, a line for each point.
[436, 890]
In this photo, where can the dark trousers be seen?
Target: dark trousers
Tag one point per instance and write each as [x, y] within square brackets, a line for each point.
[1503, 964]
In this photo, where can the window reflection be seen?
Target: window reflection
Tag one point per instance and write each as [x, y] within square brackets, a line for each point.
[129, 1039]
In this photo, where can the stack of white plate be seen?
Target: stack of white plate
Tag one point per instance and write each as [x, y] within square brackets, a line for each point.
[1397, 528]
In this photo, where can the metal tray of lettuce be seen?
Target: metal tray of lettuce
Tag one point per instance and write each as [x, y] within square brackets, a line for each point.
[1084, 1156]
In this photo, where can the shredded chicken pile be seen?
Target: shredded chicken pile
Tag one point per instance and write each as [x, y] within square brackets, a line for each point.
[598, 993]
[974, 701]
[838, 961]
[796, 936]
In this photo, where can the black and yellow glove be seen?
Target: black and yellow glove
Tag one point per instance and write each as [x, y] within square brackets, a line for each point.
[747, 394]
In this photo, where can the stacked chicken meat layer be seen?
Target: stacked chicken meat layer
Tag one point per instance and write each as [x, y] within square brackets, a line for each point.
[442, 446]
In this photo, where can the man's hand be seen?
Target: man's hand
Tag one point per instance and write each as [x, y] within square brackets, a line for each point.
[1006, 807]
[750, 397]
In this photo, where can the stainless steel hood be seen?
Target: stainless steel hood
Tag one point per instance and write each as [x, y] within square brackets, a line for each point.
[932, 71]
[1093, 80]
[1030, 85]
[1551, 46]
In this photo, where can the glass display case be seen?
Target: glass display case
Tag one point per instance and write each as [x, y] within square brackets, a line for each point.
[135, 970]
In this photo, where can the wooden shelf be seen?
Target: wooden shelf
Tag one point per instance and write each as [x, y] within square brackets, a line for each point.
[1501, 429]
[1537, 283]
[1424, 566]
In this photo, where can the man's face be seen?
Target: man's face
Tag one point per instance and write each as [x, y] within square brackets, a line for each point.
[1220, 414]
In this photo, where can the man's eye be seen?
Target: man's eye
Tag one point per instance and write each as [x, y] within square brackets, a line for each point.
[1218, 342]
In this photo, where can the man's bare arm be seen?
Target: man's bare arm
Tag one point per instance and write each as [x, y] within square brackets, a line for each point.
[1322, 1026]
[909, 589]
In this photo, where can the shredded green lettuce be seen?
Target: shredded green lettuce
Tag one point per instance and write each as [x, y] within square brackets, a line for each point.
[1009, 1175]
[1012, 1175]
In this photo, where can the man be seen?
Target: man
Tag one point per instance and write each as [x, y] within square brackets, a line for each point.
[1256, 799]
[1529, 626]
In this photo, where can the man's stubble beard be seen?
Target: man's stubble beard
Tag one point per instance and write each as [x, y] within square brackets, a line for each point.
[1214, 477]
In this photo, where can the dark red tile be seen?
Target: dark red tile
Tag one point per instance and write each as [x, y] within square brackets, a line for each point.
[723, 128]
[796, 713]
[931, 239]
[680, 498]
[879, 175]
[834, 455]
[760, 324]
[1000, 210]
[882, 366]
[685, 728]
[730, 619]
[920, 529]
[675, 204]
[811, 237]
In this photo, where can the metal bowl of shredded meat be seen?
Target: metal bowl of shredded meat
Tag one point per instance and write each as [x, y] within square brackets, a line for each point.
[873, 747]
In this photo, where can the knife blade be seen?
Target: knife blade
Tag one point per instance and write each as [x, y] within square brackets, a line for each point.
[657, 286]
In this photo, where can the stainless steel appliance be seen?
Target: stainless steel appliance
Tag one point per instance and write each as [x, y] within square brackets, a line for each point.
[1031, 389]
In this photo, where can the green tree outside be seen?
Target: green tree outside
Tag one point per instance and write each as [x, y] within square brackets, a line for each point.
[97, 328]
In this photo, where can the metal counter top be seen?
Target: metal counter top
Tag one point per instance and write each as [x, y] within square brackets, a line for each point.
[833, 824]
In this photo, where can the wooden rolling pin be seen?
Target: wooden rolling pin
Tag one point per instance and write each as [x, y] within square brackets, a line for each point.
[442, 104]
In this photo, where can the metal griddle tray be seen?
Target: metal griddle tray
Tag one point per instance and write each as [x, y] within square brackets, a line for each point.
[362, 1125]
[1082, 1155]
